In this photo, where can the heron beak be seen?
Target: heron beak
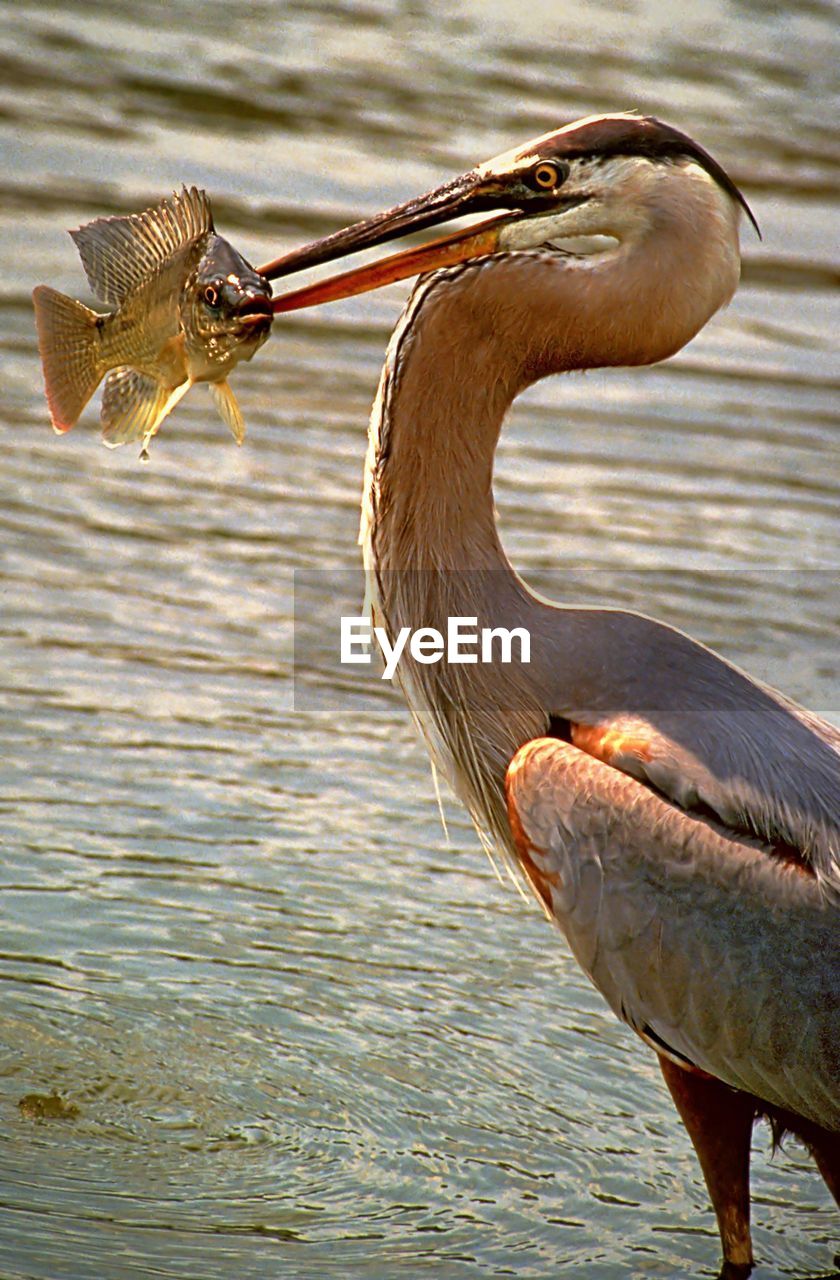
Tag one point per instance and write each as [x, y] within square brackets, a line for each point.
[473, 242]
[469, 194]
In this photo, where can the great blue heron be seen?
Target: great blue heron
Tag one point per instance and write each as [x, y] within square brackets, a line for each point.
[679, 820]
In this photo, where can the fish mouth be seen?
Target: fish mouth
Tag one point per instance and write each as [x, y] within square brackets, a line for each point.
[255, 311]
[253, 319]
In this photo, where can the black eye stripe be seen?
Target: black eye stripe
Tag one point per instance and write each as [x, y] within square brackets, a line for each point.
[647, 137]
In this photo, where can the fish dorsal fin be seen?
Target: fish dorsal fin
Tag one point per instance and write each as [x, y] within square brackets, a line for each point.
[229, 410]
[119, 254]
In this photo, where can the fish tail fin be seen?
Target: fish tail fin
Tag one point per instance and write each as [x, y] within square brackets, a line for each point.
[70, 346]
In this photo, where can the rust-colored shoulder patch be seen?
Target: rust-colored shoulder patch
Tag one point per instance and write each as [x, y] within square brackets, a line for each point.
[540, 880]
[606, 743]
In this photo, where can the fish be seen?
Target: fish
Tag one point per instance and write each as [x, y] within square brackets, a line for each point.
[187, 308]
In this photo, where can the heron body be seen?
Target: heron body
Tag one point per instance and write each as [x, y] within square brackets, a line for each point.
[678, 820]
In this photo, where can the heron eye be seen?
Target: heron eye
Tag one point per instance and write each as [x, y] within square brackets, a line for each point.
[547, 175]
[211, 295]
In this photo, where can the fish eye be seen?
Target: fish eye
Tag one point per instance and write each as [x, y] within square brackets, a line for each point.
[211, 294]
[546, 175]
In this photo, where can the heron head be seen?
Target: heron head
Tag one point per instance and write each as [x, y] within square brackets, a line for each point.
[611, 175]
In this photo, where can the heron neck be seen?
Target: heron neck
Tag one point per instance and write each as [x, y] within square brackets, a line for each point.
[472, 337]
[433, 434]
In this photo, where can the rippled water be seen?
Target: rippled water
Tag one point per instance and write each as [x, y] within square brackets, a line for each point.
[306, 1036]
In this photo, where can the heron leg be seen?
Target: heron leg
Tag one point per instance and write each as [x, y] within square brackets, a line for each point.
[825, 1148]
[719, 1121]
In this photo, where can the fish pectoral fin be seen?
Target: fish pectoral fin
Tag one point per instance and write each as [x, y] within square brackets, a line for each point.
[228, 407]
[169, 404]
[119, 254]
[134, 404]
[131, 405]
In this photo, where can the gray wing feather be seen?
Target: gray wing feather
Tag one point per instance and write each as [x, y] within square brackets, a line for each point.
[753, 782]
[696, 937]
[712, 736]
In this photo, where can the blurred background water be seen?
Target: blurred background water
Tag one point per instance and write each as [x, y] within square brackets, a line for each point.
[301, 1033]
